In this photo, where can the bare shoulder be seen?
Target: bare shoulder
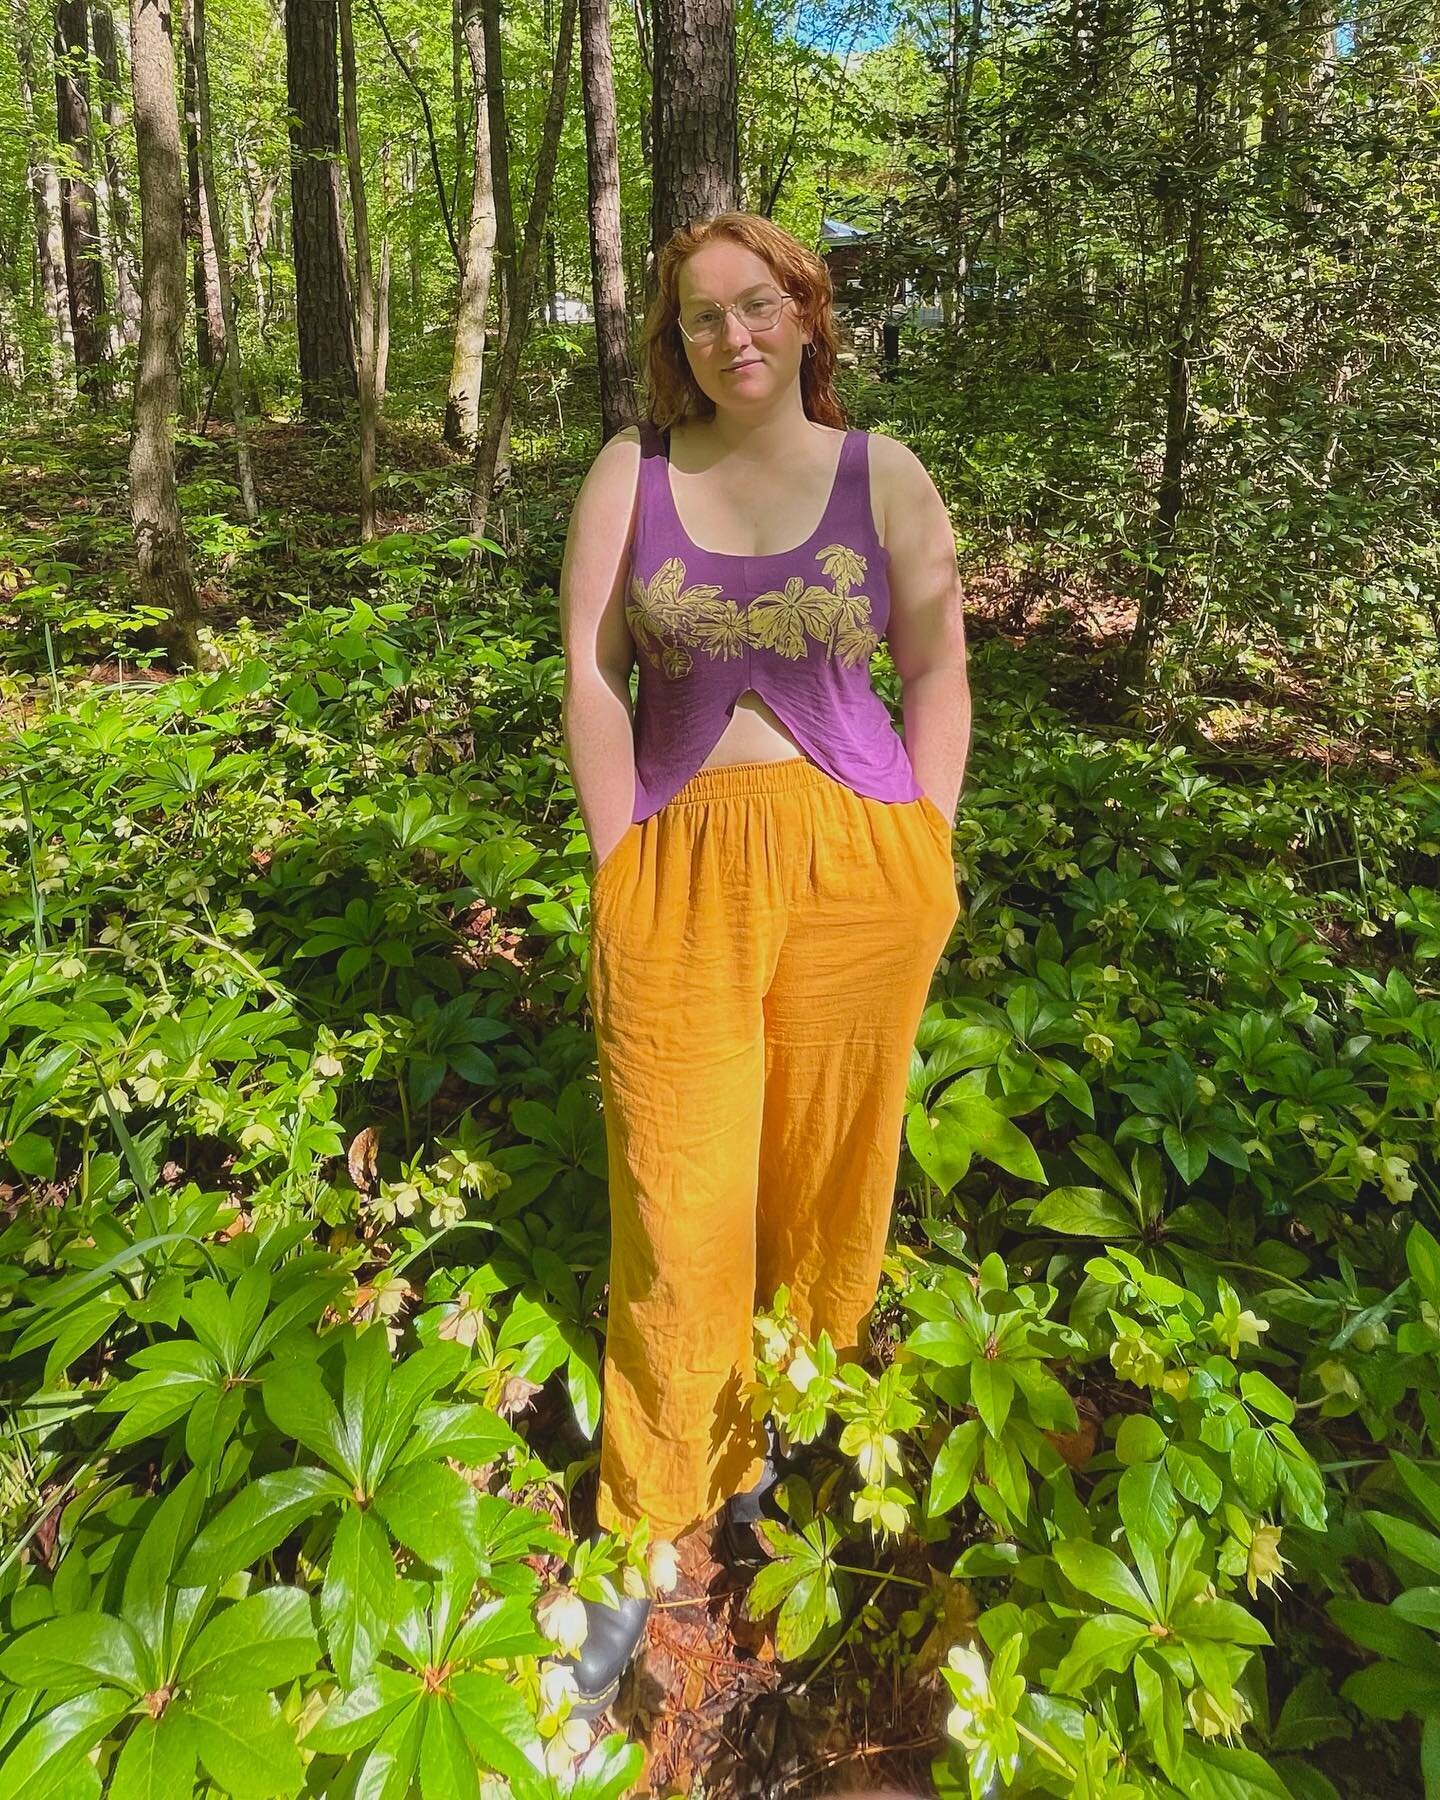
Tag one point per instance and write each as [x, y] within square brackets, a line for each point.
[610, 481]
[898, 482]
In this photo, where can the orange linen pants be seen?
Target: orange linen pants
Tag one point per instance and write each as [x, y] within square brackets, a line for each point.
[761, 952]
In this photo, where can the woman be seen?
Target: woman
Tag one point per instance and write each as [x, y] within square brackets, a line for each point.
[775, 879]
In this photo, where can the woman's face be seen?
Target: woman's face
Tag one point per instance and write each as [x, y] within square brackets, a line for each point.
[743, 369]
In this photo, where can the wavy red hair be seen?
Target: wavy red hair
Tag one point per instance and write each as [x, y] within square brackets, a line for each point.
[673, 392]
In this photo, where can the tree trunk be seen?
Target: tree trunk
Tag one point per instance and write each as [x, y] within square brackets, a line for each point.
[467, 362]
[209, 314]
[45, 200]
[618, 404]
[497, 419]
[382, 290]
[365, 286]
[504, 255]
[695, 161]
[164, 564]
[234, 375]
[322, 288]
[79, 227]
[122, 231]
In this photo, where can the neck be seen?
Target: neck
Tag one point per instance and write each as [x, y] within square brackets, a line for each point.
[765, 434]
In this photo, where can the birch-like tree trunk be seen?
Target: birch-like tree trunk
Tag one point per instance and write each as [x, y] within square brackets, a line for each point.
[160, 550]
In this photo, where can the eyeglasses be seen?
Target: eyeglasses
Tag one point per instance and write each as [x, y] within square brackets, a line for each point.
[760, 312]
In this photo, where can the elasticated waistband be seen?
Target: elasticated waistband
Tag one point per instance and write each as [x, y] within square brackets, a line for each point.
[783, 775]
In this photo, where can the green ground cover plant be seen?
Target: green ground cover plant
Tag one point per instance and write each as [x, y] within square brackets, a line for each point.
[304, 1206]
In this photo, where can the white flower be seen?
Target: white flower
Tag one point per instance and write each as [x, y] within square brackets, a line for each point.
[664, 1563]
[1396, 1179]
[560, 1614]
[972, 1693]
[557, 1684]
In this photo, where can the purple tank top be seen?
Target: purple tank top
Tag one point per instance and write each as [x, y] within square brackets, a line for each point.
[799, 628]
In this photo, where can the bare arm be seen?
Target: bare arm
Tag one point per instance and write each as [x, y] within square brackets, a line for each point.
[926, 630]
[596, 644]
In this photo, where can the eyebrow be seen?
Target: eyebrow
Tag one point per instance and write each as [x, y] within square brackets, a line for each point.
[706, 300]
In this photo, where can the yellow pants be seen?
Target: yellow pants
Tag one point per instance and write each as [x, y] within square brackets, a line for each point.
[762, 949]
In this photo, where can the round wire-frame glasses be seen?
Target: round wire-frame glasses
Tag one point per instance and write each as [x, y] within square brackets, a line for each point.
[759, 312]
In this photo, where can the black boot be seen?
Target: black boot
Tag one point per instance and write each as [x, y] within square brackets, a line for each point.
[735, 1538]
[613, 1636]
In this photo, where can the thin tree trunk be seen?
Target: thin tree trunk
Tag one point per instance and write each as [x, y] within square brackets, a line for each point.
[504, 254]
[234, 375]
[365, 287]
[160, 550]
[122, 231]
[209, 314]
[497, 418]
[467, 362]
[84, 279]
[44, 195]
[382, 290]
[607, 271]
[323, 311]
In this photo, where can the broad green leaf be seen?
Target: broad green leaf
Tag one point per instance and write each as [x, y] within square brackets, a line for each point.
[1098, 1571]
[388, 1772]
[1261, 1393]
[1430, 1756]
[992, 1388]
[1147, 1505]
[1084, 1212]
[1382, 1629]
[1140, 1439]
[1222, 1772]
[256, 1520]
[954, 1468]
[1311, 1715]
[495, 1721]
[1159, 1698]
[356, 1716]
[358, 1600]
[262, 1641]
[1425, 1488]
[430, 1509]
[245, 1745]
[1422, 1253]
[297, 1401]
[503, 1627]
[157, 1761]
[1411, 1541]
[1390, 1690]
[1220, 1620]
[446, 1765]
[364, 1387]
[77, 1650]
[1421, 1606]
[1193, 1477]
[802, 1616]
[1105, 1642]
[52, 1749]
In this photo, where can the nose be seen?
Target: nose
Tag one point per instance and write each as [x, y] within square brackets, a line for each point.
[733, 319]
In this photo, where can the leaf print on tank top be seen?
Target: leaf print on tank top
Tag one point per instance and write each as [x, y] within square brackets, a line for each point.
[670, 620]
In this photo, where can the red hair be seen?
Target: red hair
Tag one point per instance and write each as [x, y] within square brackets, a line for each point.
[674, 393]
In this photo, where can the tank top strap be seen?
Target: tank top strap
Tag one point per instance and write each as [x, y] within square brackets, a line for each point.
[851, 511]
[649, 502]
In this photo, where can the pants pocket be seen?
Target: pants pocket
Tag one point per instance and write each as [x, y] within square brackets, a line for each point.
[600, 879]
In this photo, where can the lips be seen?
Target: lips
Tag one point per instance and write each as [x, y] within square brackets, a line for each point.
[753, 363]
